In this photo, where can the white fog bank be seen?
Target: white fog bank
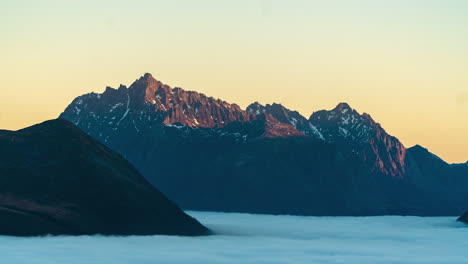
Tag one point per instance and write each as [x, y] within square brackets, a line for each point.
[244, 238]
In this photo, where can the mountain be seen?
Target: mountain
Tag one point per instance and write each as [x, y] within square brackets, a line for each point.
[55, 179]
[285, 116]
[464, 218]
[343, 125]
[267, 158]
[428, 170]
[346, 127]
[148, 103]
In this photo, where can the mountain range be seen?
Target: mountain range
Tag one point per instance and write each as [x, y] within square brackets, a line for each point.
[207, 154]
[55, 179]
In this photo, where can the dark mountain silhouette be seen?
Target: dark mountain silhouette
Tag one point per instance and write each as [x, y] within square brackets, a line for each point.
[266, 159]
[451, 180]
[464, 218]
[55, 179]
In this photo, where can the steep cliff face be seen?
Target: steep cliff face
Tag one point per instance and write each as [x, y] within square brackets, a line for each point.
[345, 126]
[55, 179]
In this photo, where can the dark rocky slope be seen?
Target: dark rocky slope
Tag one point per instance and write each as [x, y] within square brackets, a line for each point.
[55, 179]
[245, 172]
[224, 172]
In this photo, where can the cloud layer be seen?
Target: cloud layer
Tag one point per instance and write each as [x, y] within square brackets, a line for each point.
[245, 238]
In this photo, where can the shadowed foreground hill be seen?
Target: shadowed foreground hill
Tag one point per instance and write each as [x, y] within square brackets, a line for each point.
[55, 179]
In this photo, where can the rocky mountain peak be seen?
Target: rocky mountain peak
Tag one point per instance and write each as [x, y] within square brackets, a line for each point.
[285, 116]
[256, 108]
[148, 79]
[144, 89]
[345, 126]
[419, 148]
[421, 153]
[147, 76]
[343, 108]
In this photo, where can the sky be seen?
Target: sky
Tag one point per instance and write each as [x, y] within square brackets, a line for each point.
[262, 239]
[403, 62]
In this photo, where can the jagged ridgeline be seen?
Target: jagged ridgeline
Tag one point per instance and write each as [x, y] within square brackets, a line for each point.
[208, 154]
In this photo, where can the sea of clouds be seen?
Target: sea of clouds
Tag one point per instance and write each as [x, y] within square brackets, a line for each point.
[246, 238]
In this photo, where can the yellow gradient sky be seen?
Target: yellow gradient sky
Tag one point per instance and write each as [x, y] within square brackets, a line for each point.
[404, 62]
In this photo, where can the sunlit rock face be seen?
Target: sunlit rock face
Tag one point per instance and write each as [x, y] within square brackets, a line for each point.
[148, 98]
[148, 103]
